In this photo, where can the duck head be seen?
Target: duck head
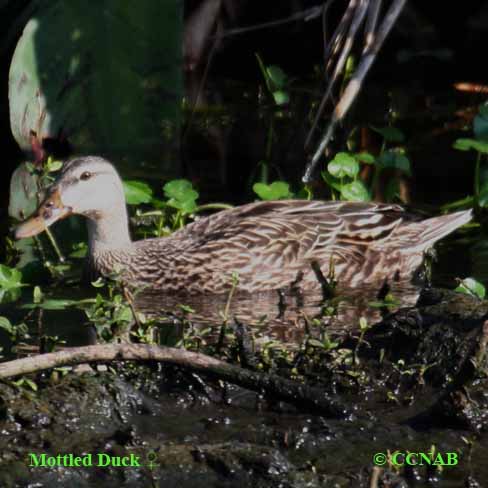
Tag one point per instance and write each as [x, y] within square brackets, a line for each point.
[88, 186]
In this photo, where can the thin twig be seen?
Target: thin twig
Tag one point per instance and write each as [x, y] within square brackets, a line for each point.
[337, 39]
[325, 9]
[306, 15]
[53, 242]
[355, 84]
[130, 300]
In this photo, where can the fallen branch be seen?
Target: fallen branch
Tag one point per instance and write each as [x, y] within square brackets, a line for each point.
[299, 394]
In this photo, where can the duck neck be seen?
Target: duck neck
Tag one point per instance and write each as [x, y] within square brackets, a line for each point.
[108, 231]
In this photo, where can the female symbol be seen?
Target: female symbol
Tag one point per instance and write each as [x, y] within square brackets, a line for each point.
[151, 457]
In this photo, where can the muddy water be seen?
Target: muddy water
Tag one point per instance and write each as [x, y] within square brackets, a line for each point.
[285, 316]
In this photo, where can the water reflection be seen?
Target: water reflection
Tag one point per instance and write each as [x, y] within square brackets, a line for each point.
[284, 316]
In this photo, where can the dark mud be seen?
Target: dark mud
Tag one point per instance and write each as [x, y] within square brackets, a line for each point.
[416, 379]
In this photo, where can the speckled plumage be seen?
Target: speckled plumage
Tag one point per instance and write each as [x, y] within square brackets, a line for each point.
[273, 244]
[270, 245]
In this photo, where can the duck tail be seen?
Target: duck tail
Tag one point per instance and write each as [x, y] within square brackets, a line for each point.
[429, 231]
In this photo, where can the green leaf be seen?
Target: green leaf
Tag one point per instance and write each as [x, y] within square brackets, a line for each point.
[468, 144]
[390, 134]
[10, 277]
[483, 196]
[10, 284]
[480, 124]
[392, 190]
[470, 286]
[23, 192]
[52, 304]
[333, 182]
[394, 158]
[30, 384]
[278, 190]
[137, 192]
[355, 191]
[53, 165]
[277, 76]
[123, 314]
[281, 97]
[343, 164]
[186, 206]
[365, 157]
[80, 250]
[37, 295]
[363, 324]
[181, 195]
[114, 78]
[180, 190]
[315, 343]
[7, 326]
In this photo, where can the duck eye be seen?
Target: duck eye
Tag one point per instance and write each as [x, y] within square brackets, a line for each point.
[85, 176]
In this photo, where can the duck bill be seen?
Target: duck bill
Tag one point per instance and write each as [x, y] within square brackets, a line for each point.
[50, 211]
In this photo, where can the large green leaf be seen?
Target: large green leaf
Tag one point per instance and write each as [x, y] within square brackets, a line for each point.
[470, 286]
[105, 74]
[467, 144]
[393, 158]
[181, 195]
[278, 190]
[355, 192]
[10, 283]
[137, 192]
[480, 124]
[343, 165]
[23, 193]
[390, 134]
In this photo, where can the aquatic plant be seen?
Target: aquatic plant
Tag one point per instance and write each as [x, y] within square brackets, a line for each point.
[479, 144]
[10, 284]
[471, 286]
[342, 172]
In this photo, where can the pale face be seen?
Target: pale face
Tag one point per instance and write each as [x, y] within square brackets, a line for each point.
[87, 186]
[91, 189]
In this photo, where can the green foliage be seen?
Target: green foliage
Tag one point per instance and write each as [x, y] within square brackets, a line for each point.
[137, 192]
[326, 343]
[23, 382]
[395, 158]
[23, 193]
[390, 134]
[480, 123]
[355, 191]
[170, 214]
[6, 325]
[472, 287]
[103, 86]
[15, 332]
[10, 284]
[343, 165]
[342, 174]
[181, 195]
[276, 82]
[277, 190]
[471, 144]
[480, 145]
[27, 183]
[109, 316]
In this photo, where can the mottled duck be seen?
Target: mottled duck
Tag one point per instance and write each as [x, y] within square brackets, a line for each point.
[270, 245]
